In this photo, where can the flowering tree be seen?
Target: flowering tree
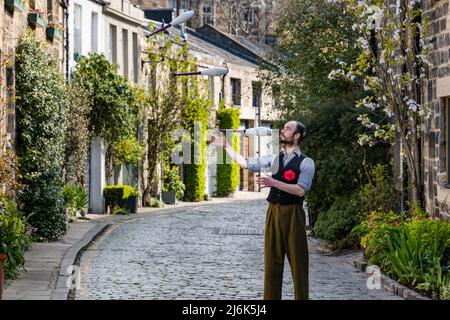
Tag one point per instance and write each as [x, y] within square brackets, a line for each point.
[392, 63]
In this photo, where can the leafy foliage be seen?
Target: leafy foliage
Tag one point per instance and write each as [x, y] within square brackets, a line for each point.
[409, 247]
[128, 151]
[172, 180]
[335, 225]
[115, 196]
[228, 171]
[392, 62]
[195, 119]
[163, 106]
[41, 128]
[78, 136]
[14, 237]
[316, 37]
[331, 143]
[75, 199]
[413, 262]
[112, 102]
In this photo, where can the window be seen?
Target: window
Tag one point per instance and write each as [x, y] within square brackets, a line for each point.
[94, 32]
[77, 46]
[172, 4]
[125, 52]
[276, 99]
[135, 58]
[250, 15]
[184, 5]
[256, 94]
[208, 14]
[236, 91]
[112, 43]
[211, 88]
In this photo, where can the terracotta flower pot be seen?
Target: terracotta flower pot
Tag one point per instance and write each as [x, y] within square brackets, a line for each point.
[2, 260]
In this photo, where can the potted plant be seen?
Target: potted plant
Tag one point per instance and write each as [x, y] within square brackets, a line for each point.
[54, 30]
[35, 18]
[132, 201]
[173, 188]
[19, 4]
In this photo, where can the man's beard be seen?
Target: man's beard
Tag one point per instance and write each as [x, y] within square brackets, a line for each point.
[287, 142]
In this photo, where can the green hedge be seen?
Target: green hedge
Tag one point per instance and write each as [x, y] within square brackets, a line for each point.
[114, 195]
[41, 129]
[195, 117]
[228, 174]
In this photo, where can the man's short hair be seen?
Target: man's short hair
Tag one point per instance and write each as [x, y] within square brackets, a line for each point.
[300, 128]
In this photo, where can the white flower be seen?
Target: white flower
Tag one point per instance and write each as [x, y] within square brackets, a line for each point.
[333, 74]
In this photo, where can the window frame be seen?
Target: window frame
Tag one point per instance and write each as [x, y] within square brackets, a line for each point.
[208, 16]
[236, 93]
[112, 43]
[258, 86]
[78, 47]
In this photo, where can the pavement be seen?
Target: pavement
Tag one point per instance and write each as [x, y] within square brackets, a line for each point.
[207, 250]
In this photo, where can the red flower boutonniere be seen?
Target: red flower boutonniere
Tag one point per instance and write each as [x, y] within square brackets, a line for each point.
[289, 175]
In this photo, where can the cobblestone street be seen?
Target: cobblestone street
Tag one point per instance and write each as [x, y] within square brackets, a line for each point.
[209, 251]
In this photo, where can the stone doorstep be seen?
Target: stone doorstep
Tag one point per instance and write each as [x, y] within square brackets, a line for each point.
[391, 285]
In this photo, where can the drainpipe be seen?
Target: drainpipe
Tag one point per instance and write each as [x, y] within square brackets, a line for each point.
[65, 5]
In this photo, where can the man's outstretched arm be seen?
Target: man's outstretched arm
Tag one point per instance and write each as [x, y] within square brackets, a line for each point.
[221, 142]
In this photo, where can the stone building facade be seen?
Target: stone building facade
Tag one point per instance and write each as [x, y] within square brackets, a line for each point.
[436, 92]
[15, 17]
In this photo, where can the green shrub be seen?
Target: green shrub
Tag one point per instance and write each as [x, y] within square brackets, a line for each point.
[334, 127]
[75, 199]
[336, 224]
[372, 233]
[41, 128]
[445, 294]
[115, 196]
[378, 191]
[172, 180]
[155, 203]
[195, 182]
[14, 239]
[195, 119]
[118, 210]
[228, 176]
[405, 256]
[417, 263]
[128, 151]
[409, 248]
[428, 233]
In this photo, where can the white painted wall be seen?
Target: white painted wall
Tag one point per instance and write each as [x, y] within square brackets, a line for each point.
[87, 8]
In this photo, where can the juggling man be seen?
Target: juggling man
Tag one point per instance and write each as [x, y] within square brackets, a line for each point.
[285, 233]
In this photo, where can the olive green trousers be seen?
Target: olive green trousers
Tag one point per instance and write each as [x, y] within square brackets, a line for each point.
[285, 234]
